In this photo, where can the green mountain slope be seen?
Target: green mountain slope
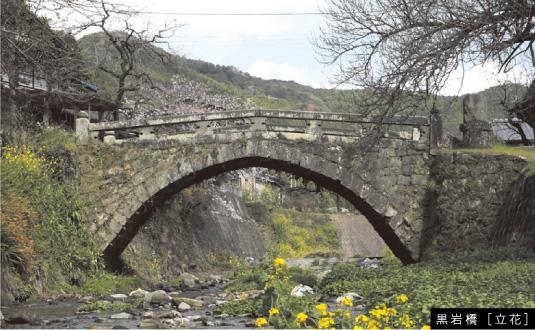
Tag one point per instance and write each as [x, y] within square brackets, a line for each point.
[275, 94]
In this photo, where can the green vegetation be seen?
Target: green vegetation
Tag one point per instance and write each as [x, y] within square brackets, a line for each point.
[528, 153]
[257, 276]
[298, 233]
[503, 149]
[395, 296]
[105, 306]
[277, 94]
[105, 283]
[44, 239]
[498, 278]
[277, 308]
[45, 243]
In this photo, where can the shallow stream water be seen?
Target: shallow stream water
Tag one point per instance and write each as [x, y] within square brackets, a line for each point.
[63, 315]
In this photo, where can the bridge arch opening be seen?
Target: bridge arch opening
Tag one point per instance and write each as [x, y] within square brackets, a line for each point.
[147, 209]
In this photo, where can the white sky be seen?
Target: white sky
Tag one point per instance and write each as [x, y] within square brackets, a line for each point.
[266, 46]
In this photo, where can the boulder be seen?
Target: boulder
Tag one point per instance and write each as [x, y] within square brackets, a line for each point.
[119, 297]
[215, 278]
[188, 276]
[191, 302]
[301, 290]
[121, 316]
[183, 307]
[139, 293]
[150, 324]
[183, 322]
[147, 315]
[20, 317]
[187, 283]
[349, 295]
[169, 315]
[206, 300]
[156, 298]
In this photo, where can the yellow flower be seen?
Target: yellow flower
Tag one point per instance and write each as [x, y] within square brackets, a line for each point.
[279, 270]
[358, 327]
[373, 324]
[346, 301]
[301, 317]
[321, 309]
[260, 322]
[279, 261]
[426, 327]
[325, 322]
[402, 298]
[273, 311]
[362, 318]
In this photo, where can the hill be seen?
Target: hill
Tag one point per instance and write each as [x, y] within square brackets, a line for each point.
[275, 94]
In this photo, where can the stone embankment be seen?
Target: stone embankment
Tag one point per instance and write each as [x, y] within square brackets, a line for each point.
[516, 224]
[468, 193]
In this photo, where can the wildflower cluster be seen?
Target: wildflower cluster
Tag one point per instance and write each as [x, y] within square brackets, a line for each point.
[383, 317]
[41, 217]
[299, 312]
[21, 170]
[23, 165]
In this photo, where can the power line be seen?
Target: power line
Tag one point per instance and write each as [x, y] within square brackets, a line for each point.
[230, 14]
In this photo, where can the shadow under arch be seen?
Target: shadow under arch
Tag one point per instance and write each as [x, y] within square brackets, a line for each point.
[144, 212]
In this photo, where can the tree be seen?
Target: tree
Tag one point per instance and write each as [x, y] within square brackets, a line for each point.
[132, 46]
[31, 47]
[402, 52]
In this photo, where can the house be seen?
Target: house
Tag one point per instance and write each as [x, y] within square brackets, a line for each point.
[52, 105]
[503, 129]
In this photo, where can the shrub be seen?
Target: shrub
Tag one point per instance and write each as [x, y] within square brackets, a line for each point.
[41, 218]
[105, 283]
[105, 306]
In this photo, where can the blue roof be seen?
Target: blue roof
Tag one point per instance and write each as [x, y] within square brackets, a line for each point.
[93, 87]
[502, 128]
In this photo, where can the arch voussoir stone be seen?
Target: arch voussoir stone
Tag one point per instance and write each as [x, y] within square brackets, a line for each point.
[369, 180]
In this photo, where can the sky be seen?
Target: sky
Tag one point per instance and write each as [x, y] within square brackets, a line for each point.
[268, 39]
[266, 46]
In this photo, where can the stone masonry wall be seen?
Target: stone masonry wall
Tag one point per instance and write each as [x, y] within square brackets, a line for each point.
[466, 196]
[516, 225]
[385, 182]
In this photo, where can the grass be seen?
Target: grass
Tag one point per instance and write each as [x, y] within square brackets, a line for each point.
[528, 153]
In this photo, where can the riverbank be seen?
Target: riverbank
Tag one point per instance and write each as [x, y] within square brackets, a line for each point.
[261, 295]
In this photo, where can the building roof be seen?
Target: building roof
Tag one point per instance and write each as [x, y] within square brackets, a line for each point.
[502, 128]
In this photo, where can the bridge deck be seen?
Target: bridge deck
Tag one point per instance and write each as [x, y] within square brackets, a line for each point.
[265, 122]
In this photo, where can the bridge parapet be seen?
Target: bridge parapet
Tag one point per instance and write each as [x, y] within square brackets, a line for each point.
[239, 124]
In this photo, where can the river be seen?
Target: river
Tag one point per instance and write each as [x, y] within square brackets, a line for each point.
[61, 314]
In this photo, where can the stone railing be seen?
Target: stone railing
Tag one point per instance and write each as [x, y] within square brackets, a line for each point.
[235, 125]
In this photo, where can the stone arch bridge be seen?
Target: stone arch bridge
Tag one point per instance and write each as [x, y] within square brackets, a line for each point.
[142, 163]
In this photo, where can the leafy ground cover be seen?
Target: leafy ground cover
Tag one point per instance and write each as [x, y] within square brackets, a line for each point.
[395, 296]
[277, 308]
[499, 278]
